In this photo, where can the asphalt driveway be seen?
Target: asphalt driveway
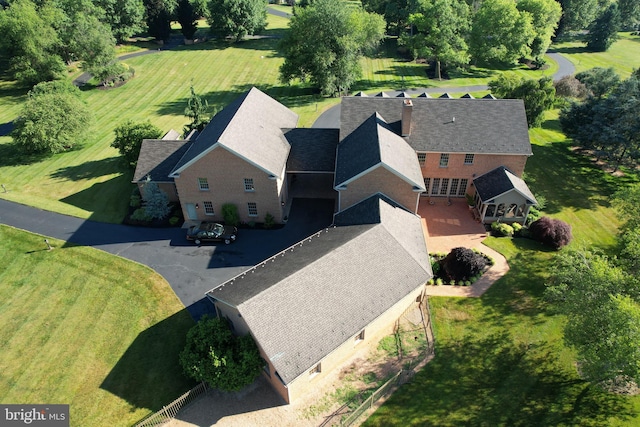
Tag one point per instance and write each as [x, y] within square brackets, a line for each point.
[190, 270]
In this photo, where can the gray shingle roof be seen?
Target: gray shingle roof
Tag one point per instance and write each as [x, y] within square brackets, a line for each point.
[157, 158]
[481, 126]
[308, 300]
[251, 127]
[312, 150]
[375, 144]
[499, 181]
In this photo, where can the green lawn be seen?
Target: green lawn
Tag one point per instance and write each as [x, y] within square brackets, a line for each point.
[623, 55]
[85, 328]
[500, 359]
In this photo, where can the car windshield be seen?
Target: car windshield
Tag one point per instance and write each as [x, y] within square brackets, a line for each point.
[218, 229]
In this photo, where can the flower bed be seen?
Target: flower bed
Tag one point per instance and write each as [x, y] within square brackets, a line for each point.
[441, 264]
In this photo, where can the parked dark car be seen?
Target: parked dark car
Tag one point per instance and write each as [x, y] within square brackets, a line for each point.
[212, 232]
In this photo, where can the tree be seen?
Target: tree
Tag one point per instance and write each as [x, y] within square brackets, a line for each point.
[159, 14]
[237, 18]
[629, 14]
[51, 123]
[500, 32]
[463, 264]
[599, 81]
[325, 43]
[600, 301]
[155, 201]
[196, 110]
[125, 17]
[395, 12]
[31, 42]
[545, 17]
[129, 136]
[577, 14]
[570, 87]
[604, 30]
[552, 232]
[214, 355]
[187, 18]
[538, 95]
[442, 26]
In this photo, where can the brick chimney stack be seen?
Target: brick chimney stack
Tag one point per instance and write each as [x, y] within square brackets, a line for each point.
[407, 108]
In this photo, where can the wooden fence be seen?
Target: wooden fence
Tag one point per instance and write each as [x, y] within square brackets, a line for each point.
[168, 412]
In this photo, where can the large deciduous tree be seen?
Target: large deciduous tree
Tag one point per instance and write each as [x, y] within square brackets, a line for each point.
[599, 81]
[629, 13]
[500, 32]
[51, 121]
[442, 26]
[31, 42]
[325, 43]
[545, 15]
[538, 95]
[237, 18]
[125, 17]
[577, 14]
[604, 30]
[214, 355]
[395, 12]
[187, 18]
[159, 14]
[129, 136]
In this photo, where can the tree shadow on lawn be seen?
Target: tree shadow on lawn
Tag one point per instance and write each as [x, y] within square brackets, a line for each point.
[567, 179]
[521, 290]
[267, 44]
[109, 200]
[6, 128]
[492, 381]
[148, 374]
[91, 169]
[12, 154]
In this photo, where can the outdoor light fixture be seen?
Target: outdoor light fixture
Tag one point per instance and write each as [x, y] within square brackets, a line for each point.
[197, 206]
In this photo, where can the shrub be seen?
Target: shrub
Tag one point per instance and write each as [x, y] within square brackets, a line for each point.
[156, 202]
[140, 215]
[551, 232]
[135, 201]
[500, 229]
[467, 283]
[129, 136]
[269, 221]
[462, 263]
[439, 281]
[435, 266]
[230, 214]
[174, 220]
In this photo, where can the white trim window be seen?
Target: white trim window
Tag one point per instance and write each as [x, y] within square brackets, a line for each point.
[463, 187]
[468, 159]
[208, 208]
[359, 337]
[248, 185]
[444, 160]
[315, 370]
[203, 184]
[252, 208]
[422, 159]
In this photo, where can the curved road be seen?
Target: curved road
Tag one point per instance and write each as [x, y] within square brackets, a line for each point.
[330, 119]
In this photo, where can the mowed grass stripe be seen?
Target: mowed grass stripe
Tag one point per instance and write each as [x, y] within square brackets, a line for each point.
[83, 327]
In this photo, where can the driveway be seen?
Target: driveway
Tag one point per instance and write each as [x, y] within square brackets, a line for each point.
[190, 270]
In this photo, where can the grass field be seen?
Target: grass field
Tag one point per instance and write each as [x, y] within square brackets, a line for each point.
[85, 328]
[500, 359]
[92, 182]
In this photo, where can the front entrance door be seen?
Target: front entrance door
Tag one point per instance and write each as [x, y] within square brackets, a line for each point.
[191, 211]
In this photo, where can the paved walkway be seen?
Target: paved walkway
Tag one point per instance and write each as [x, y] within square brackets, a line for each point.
[449, 226]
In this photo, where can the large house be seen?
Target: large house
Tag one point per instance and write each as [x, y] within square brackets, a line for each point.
[311, 306]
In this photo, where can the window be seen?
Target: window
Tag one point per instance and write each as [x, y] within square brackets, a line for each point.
[468, 159]
[248, 184]
[427, 182]
[315, 370]
[444, 160]
[435, 187]
[252, 207]
[445, 186]
[454, 186]
[463, 187]
[359, 337]
[203, 183]
[208, 208]
[422, 158]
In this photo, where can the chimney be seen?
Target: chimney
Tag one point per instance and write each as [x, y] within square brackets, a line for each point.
[407, 108]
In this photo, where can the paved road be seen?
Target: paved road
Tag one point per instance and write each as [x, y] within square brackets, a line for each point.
[189, 269]
[330, 119]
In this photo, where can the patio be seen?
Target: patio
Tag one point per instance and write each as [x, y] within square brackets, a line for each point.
[450, 225]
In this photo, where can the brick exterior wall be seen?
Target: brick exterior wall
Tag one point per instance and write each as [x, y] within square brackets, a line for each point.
[225, 173]
[167, 187]
[482, 163]
[380, 180]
